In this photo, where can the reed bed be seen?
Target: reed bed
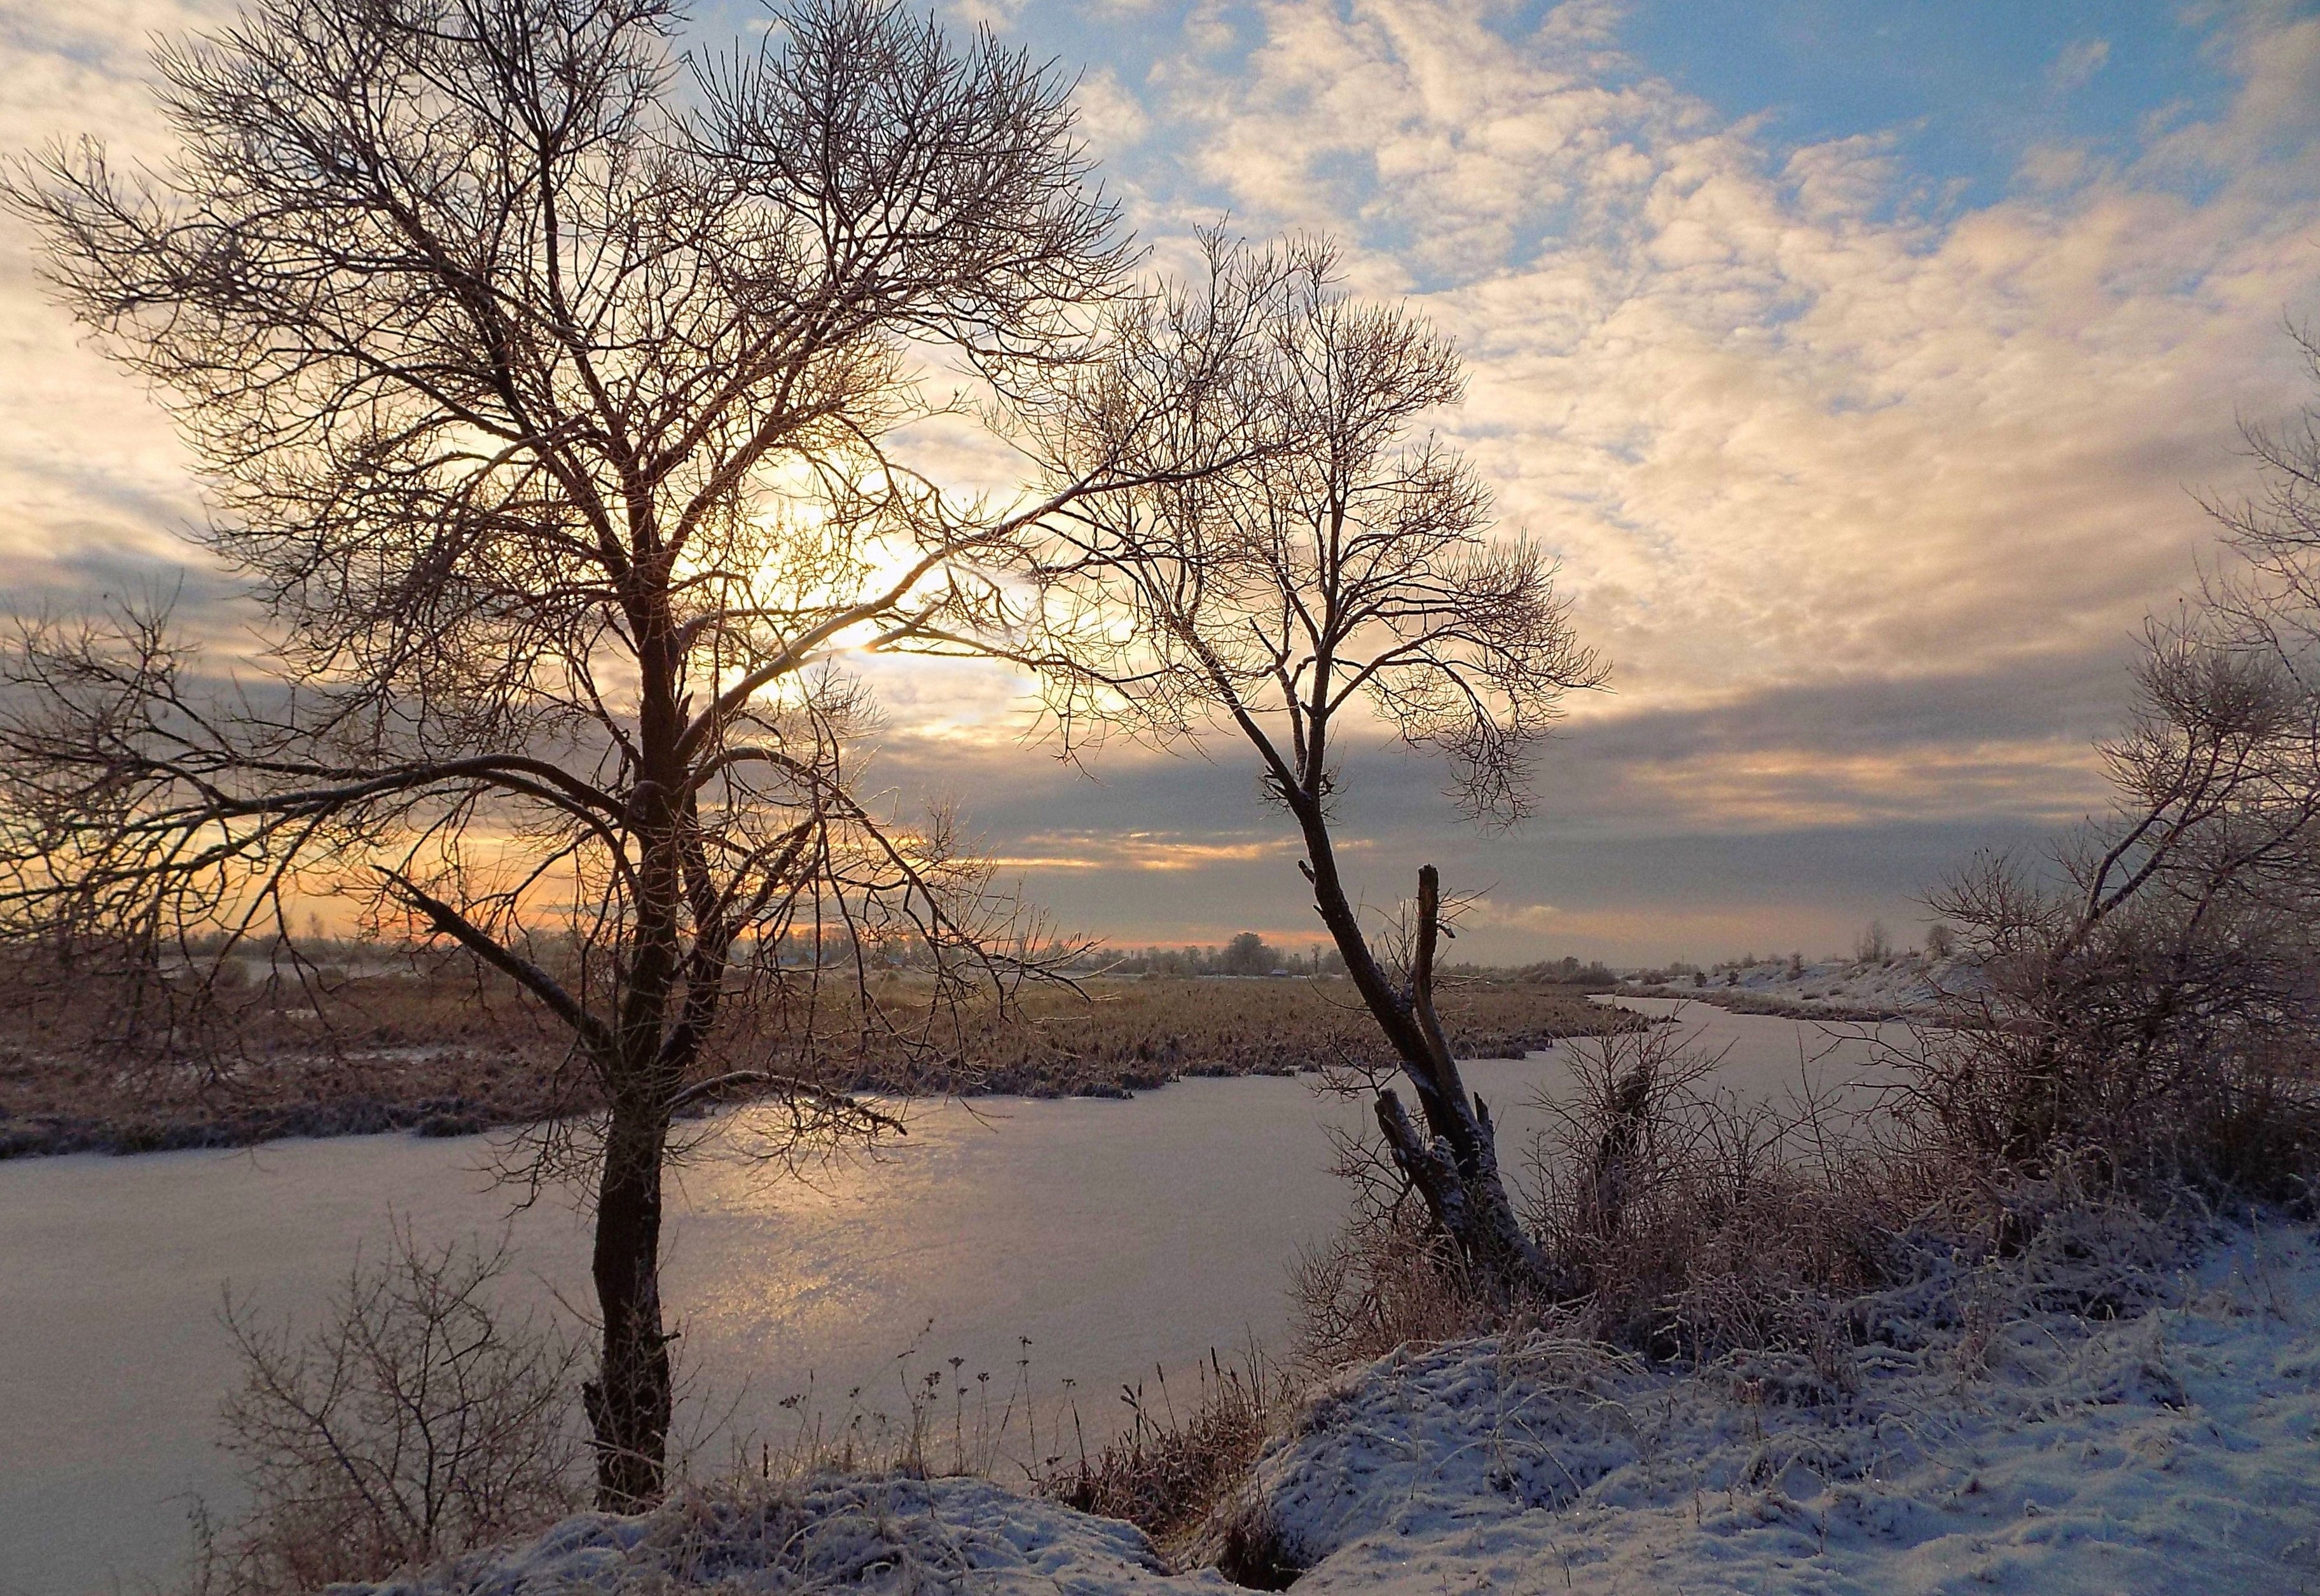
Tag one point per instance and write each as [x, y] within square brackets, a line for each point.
[441, 1052]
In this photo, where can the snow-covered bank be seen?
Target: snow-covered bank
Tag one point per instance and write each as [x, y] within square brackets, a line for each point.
[1992, 1430]
[1961, 1449]
[883, 1535]
[1903, 987]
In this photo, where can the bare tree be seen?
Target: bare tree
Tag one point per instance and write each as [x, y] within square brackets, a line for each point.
[546, 396]
[2274, 605]
[1336, 581]
[2145, 1005]
[2150, 1004]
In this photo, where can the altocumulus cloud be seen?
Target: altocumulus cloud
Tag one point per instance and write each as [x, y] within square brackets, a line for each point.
[1863, 489]
[1866, 492]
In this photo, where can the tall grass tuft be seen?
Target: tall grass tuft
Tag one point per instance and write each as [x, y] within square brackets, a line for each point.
[1170, 1470]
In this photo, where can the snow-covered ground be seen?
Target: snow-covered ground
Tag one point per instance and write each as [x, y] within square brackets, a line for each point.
[1964, 1448]
[1905, 983]
[2107, 1413]
[872, 1535]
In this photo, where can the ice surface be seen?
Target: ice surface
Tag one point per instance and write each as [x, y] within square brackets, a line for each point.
[1114, 1236]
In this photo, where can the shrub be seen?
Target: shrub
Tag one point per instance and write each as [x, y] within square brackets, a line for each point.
[1691, 1223]
[2149, 1005]
[1678, 1222]
[2159, 1051]
[1386, 1280]
[415, 1422]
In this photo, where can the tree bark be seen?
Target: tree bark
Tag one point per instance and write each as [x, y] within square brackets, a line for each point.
[1454, 1165]
[628, 1402]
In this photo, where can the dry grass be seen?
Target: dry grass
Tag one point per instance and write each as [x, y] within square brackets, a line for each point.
[1679, 1222]
[1696, 1223]
[1129, 1034]
[82, 1069]
[438, 1050]
[1169, 1472]
[1383, 1281]
[1689, 1225]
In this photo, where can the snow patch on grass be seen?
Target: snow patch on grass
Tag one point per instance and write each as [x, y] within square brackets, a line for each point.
[890, 1534]
[1907, 984]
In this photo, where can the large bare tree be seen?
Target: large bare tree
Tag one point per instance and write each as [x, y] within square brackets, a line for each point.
[547, 386]
[1336, 580]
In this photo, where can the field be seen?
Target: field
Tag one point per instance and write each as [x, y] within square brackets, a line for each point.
[444, 1055]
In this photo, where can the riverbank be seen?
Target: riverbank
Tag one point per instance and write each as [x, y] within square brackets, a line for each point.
[383, 1054]
[1909, 987]
[2120, 1408]
[1117, 1239]
[1747, 1002]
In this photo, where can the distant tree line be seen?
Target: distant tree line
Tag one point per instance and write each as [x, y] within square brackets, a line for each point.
[1247, 954]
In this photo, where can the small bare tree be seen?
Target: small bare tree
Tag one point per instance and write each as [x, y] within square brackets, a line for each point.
[420, 1419]
[548, 405]
[1335, 579]
[2144, 1005]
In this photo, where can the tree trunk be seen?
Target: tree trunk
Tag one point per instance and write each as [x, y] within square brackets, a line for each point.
[628, 1403]
[1454, 1165]
[1458, 1171]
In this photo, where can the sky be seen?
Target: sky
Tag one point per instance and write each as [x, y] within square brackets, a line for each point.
[1861, 360]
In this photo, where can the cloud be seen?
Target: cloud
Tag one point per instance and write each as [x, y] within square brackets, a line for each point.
[2076, 65]
[1520, 917]
[1135, 851]
[2275, 54]
[1778, 422]
[1793, 814]
[95, 482]
[1418, 125]
[1110, 116]
[1864, 491]
[1000, 16]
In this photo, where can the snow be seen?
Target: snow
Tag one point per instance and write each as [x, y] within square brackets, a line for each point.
[1994, 1429]
[1907, 982]
[2177, 1450]
[885, 1533]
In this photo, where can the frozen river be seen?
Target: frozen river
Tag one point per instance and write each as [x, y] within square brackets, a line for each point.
[1114, 1236]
